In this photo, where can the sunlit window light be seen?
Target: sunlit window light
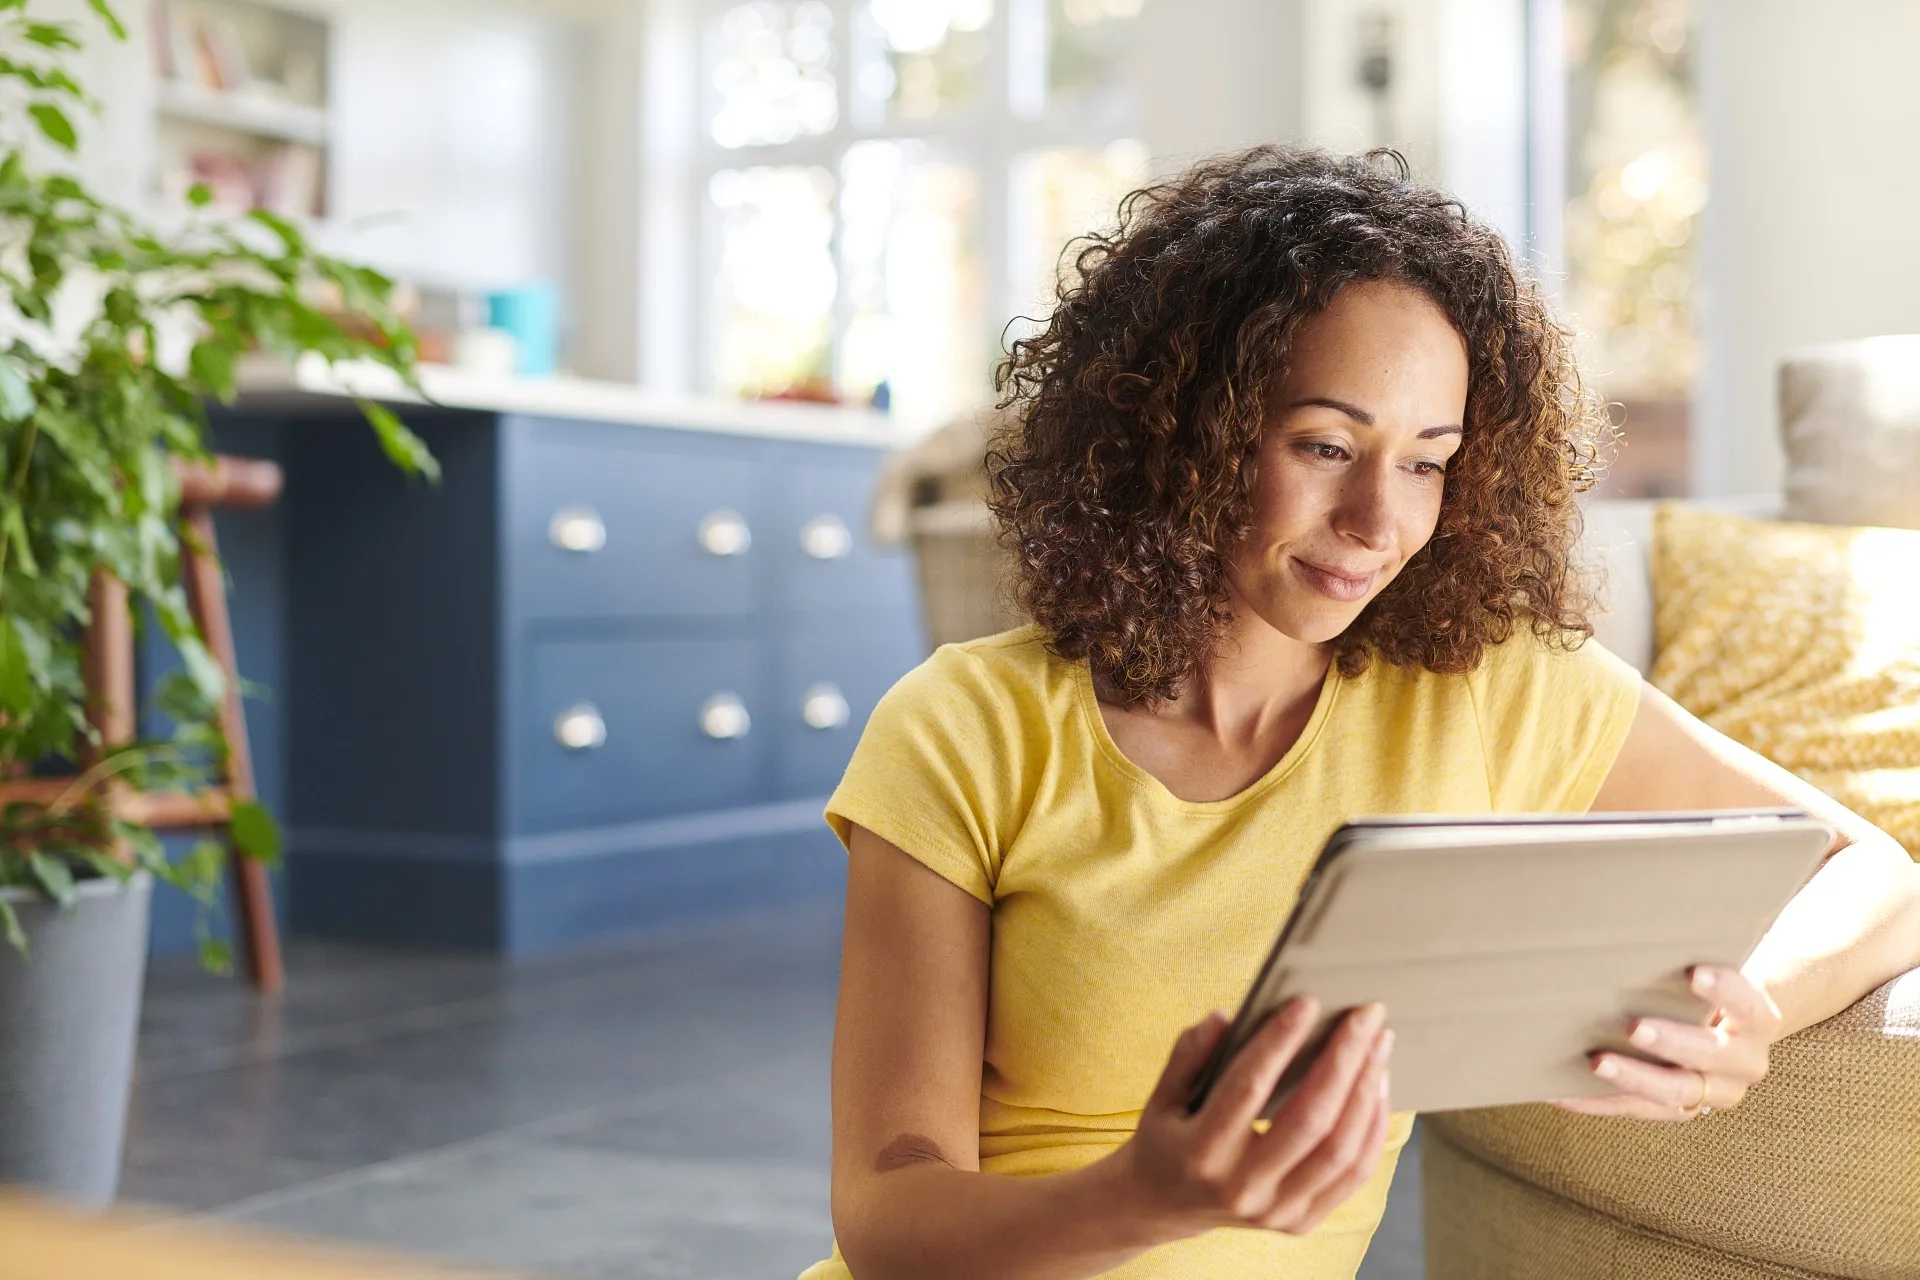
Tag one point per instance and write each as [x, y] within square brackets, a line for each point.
[1637, 176]
[1058, 194]
[773, 76]
[914, 281]
[1087, 46]
[918, 59]
[774, 290]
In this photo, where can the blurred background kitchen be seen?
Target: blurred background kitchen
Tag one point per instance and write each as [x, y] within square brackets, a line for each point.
[550, 741]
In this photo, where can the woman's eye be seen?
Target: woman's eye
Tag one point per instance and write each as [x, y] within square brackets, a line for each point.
[1427, 468]
[1321, 449]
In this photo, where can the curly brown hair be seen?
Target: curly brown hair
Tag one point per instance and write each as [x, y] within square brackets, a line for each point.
[1124, 475]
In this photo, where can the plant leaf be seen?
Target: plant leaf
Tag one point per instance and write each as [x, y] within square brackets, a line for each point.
[16, 393]
[290, 235]
[178, 697]
[16, 673]
[405, 449]
[255, 831]
[55, 877]
[199, 195]
[198, 873]
[105, 865]
[15, 527]
[108, 16]
[51, 35]
[216, 954]
[16, 936]
[54, 124]
[212, 367]
[204, 671]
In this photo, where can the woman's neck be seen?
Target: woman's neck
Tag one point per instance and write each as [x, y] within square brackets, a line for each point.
[1233, 720]
[1258, 677]
[1232, 724]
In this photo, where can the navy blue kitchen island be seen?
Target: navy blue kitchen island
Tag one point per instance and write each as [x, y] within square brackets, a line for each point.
[602, 676]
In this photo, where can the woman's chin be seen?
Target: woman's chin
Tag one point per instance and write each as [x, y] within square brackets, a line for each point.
[1312, 622]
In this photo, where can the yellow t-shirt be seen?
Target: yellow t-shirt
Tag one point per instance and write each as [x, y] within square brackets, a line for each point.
[1122, 913]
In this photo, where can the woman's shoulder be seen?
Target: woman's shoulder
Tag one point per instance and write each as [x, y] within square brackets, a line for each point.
[1528, 680]
[945, 765]
[1528, 658]
[1552, 712]
[1523, 660]
[1014, 671]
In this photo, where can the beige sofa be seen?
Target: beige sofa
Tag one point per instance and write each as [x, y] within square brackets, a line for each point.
[1818, 1173]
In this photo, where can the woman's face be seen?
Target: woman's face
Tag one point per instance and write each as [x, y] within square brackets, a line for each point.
[1350, 472]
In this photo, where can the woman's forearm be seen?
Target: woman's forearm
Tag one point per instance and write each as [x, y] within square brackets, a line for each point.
[1853, 927]
[930, 1222]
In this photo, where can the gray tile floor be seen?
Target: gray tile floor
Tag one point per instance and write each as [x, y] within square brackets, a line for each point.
[655, 1109]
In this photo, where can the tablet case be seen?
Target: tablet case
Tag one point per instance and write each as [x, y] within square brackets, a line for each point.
[1506, 949]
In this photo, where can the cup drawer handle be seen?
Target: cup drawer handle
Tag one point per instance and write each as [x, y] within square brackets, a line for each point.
[724, 716]
[580, 728]
[826, 538]
[725, 533]
[823, 706]
[577, 529]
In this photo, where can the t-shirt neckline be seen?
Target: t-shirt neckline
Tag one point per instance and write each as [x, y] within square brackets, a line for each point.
[1157, 790]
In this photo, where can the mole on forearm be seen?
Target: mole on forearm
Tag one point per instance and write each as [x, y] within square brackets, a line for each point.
[910, 1149]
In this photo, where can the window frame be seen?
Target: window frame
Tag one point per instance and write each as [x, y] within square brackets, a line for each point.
[1010, 120]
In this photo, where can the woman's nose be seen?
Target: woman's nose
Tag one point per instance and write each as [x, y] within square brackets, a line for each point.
[1365, 512]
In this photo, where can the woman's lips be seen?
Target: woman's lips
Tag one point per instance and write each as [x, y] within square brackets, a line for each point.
[1330, 582]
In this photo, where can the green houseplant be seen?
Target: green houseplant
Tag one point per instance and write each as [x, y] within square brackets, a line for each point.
[113, 337]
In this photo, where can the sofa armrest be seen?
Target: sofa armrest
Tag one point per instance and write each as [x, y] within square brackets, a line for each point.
[1818, 1169]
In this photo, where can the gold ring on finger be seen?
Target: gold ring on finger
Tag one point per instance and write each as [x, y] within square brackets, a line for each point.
[1700, 1103]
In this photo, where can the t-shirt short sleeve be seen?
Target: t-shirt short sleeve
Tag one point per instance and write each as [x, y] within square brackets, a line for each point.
[1552, 722]
[937, 771]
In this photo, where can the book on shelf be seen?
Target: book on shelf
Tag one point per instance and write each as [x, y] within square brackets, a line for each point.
[225, 55]
[287, 180]
[200, 50]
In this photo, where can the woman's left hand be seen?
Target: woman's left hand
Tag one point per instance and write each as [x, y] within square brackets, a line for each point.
[1712, 1066]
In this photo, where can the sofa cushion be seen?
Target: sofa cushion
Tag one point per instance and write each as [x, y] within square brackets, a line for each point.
[1616, 544]
[1803, 642]
[1819, 1169]
[1850, 422]
[1484, 1223]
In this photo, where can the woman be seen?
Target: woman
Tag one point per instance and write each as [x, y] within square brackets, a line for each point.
[1291, 497]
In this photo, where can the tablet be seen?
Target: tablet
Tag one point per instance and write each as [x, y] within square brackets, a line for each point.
[1506, 949]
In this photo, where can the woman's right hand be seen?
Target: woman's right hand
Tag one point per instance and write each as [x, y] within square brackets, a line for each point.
[1213, 1168]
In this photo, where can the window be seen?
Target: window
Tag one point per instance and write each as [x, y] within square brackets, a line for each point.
[1637, 182]
[885, 184]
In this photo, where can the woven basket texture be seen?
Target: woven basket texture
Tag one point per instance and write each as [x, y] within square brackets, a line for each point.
[1817, 1173]
[1482, 1224]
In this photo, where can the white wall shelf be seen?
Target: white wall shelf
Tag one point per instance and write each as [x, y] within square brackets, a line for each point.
[263, 117]
[242, 103]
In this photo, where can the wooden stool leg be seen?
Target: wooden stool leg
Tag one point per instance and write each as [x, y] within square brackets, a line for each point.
[108, 663]
[106, 667]
[207, 595]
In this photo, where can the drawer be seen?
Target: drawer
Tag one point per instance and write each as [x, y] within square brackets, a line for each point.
[614, 730]
[622, 529]
[831, 669]
[826, 559]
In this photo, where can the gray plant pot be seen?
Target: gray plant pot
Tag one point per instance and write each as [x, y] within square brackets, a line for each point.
[68, 1014]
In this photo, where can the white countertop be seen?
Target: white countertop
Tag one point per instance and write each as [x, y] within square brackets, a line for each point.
[264, 382]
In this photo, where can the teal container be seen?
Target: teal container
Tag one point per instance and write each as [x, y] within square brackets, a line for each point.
[531, 313]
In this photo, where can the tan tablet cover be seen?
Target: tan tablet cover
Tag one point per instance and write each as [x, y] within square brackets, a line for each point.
[1506, 953]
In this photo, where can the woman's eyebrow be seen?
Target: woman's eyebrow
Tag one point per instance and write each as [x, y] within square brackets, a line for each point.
[1366, 419]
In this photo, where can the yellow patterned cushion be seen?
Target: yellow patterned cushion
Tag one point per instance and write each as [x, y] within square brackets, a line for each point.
[1803, 642]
